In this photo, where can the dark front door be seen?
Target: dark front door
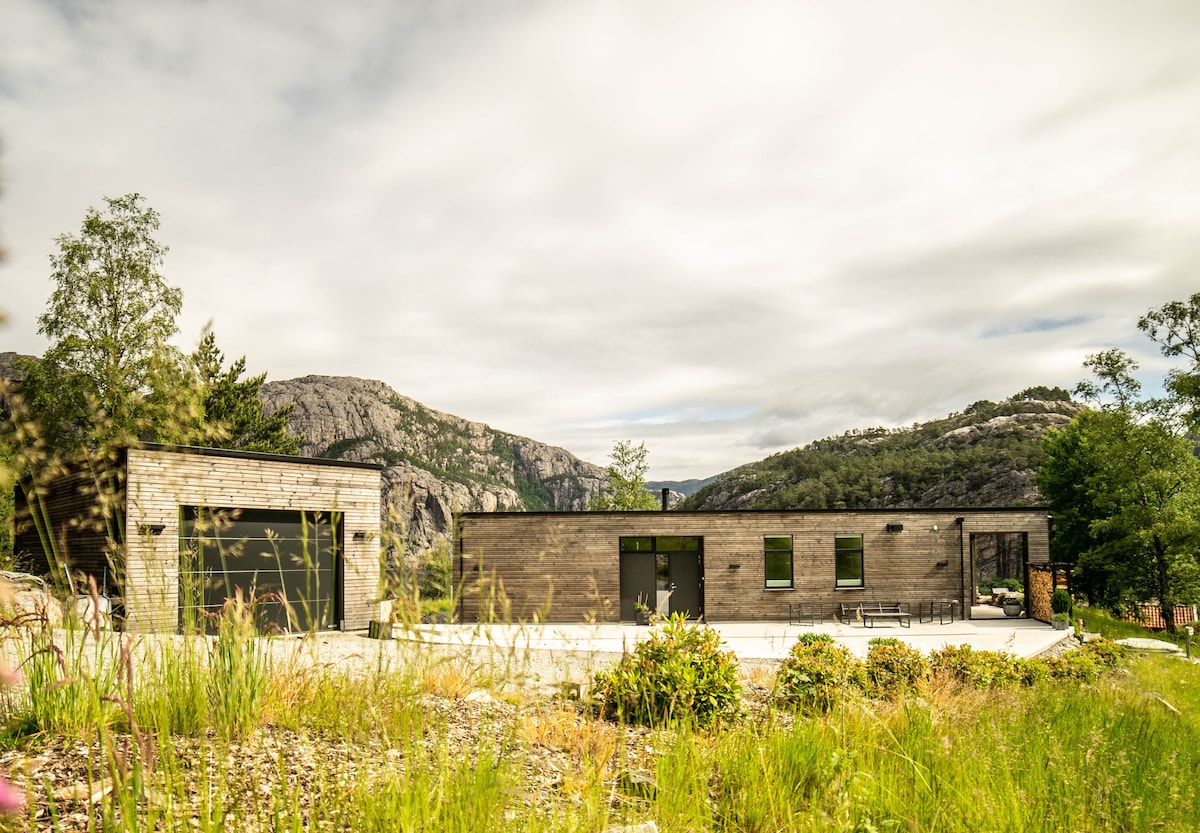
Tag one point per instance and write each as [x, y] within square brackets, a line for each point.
[685, 572]
[664, 573]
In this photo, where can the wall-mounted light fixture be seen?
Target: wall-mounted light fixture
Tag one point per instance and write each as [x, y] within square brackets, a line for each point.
[942, 564]
[151, 529]
[935, 529]
[895, 527]
[360, 536]
[735, 566]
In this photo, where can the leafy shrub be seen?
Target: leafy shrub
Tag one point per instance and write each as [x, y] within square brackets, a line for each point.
[979, 669]
[1107, 654]
[894, 667]
[679, 674]
[1011, 584]
[1060, 601]
[817, 673]
[1079, 665]
[1030, 672]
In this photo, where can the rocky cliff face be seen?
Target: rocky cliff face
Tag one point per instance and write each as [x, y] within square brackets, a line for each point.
[436, 463]
[10, 375]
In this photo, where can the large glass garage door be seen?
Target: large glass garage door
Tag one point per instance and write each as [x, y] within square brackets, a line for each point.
[286, 560]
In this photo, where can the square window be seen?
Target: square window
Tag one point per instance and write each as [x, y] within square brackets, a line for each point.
[777, 560]
[848, 560]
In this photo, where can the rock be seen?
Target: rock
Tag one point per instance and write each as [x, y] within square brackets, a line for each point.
[479, 696]
[29, 598]
[436, 463]
[1149, 646]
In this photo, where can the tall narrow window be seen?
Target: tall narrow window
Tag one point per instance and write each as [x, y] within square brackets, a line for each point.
[777, 560]
[848, 560]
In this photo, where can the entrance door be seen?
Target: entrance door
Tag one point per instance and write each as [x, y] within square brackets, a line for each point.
[664, 573]
[685, 572]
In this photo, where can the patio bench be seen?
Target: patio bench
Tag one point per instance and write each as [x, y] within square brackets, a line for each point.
[873, 611]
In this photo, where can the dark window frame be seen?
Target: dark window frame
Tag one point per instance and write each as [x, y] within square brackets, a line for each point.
[776, 552]
[841, 553]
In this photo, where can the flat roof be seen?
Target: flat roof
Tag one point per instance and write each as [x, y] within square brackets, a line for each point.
[710, 512]
[257, 455]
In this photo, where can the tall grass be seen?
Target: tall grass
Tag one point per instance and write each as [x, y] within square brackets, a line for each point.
[293, 745]
[237, 671]
[67, 675]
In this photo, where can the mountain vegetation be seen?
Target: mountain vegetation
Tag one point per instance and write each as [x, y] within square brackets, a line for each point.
[987, 455]
[435, 463]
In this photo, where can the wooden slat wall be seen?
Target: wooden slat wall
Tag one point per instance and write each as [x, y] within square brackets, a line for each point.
[564, 567]
[159, 482]
[62, 523]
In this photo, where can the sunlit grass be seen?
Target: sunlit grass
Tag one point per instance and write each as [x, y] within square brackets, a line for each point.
[1098, 620]
[377, 746]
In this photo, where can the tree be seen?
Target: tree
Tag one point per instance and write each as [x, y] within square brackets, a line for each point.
[231, 412]
[1125, 490]
[109, 370]
[1175, 328]
[626, 490]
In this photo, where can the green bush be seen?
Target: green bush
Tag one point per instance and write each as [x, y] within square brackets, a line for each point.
[817, 674]
[1107, 654]
[1060, 601]
[894, 668]
[678, 674]
[1080, 666]
[1012, 584]
[979, 669]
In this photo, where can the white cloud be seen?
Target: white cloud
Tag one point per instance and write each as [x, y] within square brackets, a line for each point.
[722, 228]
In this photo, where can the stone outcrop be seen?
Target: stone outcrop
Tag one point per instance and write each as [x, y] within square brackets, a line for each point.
[435, 462]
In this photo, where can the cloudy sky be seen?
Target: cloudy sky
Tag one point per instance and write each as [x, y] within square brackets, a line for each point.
[722, 228]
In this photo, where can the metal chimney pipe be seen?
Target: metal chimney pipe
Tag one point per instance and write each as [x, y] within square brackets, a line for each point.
[666, 498]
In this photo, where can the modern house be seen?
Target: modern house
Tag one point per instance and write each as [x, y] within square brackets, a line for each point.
[729, 565]
[169, 533]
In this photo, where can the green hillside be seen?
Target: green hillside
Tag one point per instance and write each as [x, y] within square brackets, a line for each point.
[987, 455]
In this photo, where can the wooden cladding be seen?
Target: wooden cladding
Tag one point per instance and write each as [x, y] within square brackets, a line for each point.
[565, 567]
[130, 535]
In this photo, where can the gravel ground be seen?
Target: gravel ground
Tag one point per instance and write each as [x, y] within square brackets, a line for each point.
[510, 699]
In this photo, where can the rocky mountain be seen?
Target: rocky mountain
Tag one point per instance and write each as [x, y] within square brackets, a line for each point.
[10, 374]
[436, 463]
[988, 455]
[683, 488]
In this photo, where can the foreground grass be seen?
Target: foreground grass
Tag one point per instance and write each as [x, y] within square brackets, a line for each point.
[399, 748]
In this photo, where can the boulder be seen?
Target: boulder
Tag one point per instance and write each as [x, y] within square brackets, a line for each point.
[28, 598]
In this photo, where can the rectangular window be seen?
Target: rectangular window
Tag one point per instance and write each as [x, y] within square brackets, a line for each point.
[848, 560]
[643, 544]
[777, 560]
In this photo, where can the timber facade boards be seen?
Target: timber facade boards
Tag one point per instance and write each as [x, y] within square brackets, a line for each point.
[565, 567]
[157, 482]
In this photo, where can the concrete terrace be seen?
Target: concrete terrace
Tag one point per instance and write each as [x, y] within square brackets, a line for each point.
[761, 641]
